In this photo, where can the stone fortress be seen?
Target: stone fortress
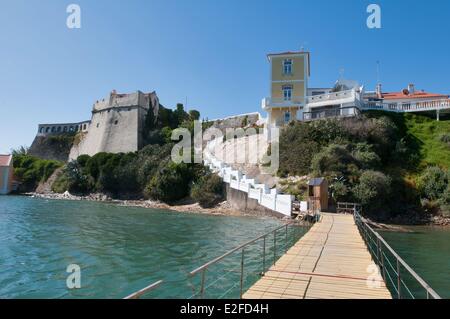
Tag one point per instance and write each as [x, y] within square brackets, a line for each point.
[116, 126]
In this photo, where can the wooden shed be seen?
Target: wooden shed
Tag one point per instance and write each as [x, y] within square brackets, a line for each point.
[318, 194]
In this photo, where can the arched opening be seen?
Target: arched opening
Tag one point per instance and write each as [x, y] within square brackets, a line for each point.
[47, 130]
[41, 130]
[59, 129]
[65, 129]
[53, 129]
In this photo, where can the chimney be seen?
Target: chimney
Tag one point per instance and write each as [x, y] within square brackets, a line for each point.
[411, 88]
[379, 91]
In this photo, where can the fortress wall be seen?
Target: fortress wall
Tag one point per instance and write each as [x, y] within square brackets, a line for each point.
[116, 130]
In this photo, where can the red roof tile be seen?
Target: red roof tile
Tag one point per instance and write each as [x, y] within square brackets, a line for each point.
[415, 95]
[5, 160]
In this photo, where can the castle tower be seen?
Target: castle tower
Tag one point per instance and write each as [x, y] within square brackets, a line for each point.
[289, 76]
[117, 124]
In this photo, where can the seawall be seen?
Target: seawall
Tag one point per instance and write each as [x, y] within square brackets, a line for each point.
[239, 200]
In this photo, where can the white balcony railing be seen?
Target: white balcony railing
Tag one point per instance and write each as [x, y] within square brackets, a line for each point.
[269, 102]
[335, 98]
[430, 105]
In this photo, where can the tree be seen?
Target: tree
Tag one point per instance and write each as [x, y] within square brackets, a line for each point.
[208, 190]
[194, 115]
[433, 182]
[171, 183]
[373, 189]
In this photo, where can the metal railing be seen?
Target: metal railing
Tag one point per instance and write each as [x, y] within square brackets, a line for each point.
[138, 294]
[266, 258]
[348, 208]
[399, 277]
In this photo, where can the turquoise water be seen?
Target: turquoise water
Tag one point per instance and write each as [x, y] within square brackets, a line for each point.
[119, 249]
[427, 251]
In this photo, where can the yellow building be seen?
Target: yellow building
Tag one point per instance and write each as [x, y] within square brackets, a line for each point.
[289, 76]
[6, 174]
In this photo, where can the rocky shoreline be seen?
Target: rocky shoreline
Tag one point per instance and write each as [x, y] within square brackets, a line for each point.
[186, 206]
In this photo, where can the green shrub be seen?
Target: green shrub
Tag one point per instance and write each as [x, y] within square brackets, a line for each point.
[366, 157]
[445, 138]
[30, 171]
[433, 182]
[73, 179]
[208, 190]
[339, 191]
[373, 189]
[171, 183]
[333, 160]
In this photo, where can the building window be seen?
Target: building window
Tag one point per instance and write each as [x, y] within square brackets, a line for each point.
[287, 117]
[71, 129]
[47, 130]
[287, 67]
[98, 124]
[84, 127]
[59, 129]
[53, 129]
[115, 122]
[287, 92]
[65, 129]
[41, 130]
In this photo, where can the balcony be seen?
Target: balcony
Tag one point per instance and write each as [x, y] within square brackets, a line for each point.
[421, 106]
[334, 98]
[330, 113]
[296, 101]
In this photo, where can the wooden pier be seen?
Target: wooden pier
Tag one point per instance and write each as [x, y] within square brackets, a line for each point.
[330, 261]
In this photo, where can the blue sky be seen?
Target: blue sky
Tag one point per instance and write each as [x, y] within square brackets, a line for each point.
[210, 52]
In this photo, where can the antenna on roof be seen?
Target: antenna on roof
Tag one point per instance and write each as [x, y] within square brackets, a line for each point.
[378, 71]
[302, 48]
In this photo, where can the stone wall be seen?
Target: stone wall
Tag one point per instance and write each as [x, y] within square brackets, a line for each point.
[52, 147]
[240, 200]
[237, 121]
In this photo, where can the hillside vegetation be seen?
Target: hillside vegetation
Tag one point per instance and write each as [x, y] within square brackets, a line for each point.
[394, 164]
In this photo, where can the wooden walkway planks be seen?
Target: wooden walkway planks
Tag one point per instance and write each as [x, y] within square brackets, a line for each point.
[330, 261]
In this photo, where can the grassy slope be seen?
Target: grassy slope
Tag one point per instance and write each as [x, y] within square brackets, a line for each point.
[428, 132]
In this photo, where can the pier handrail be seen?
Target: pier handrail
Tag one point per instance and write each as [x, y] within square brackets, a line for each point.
[139, 293]
[241, 248]
[368, 232]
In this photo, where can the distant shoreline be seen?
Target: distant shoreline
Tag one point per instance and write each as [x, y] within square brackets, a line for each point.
[225, 209]
[222, 209]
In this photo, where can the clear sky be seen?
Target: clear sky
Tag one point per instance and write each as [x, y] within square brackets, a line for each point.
[212, 53]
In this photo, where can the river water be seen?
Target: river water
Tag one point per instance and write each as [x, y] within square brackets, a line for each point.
[122, 249]
[119, 249]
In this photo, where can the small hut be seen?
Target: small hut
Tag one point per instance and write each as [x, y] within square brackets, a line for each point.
[318, 194]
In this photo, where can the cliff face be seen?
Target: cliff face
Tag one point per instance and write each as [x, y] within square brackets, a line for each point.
[52, 147]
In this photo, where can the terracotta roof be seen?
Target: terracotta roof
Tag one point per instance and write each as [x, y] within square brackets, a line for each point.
[416, 95]
[5, 160]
